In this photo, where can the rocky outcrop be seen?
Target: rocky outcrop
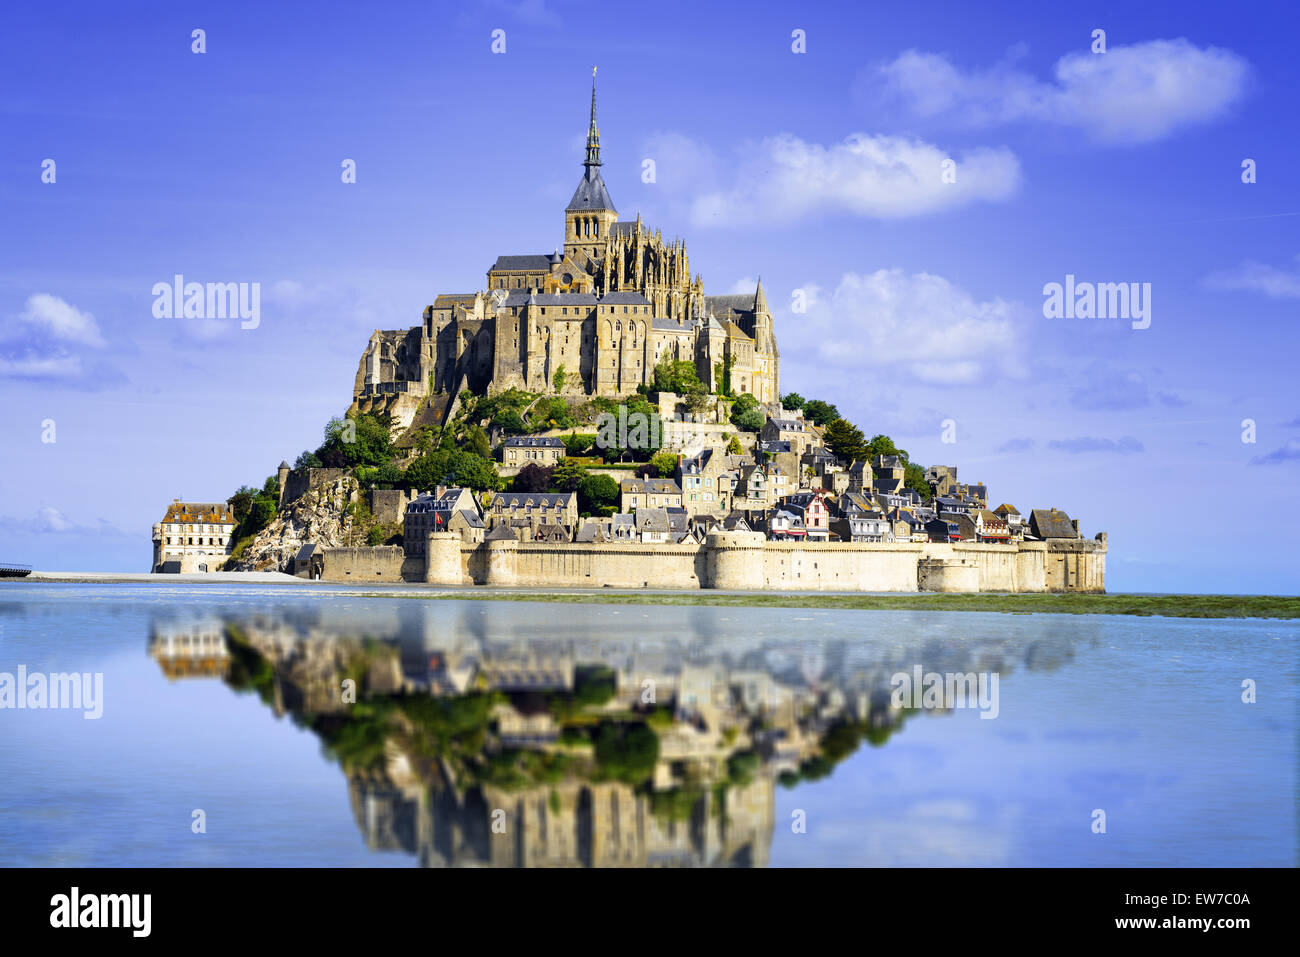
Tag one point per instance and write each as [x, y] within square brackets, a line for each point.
[319, 515]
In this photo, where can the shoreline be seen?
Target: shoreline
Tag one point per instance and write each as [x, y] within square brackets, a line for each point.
[1274, 607]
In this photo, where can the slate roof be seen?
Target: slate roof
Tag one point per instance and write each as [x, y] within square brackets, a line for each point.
[738, 303]
[655, 486]
[541, 263]
[535, 442]
[1051, 523]
[205, 513]
[653, 520]
[788, 425]
[472, 519]
[624, 298]
[591, 194]
[665, 324]
[560, 299]
[540, 499]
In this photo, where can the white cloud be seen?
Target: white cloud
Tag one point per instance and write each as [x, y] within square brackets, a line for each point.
[921, 325]
[40, 367]
[1259, 277]
[784, 178]
[51, 521]
[60, 320]
[1129, 94]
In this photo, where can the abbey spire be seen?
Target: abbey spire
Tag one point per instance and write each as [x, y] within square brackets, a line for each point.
[591, 213]
[593, 134]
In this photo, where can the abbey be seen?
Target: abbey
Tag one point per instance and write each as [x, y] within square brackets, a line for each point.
[593, 317]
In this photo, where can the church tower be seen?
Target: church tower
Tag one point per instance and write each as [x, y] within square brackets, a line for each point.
[767, 358]
[589, 215]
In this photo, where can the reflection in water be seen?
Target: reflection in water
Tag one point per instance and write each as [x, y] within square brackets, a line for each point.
[474, 737]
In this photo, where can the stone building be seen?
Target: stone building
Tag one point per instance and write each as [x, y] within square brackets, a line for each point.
[527, 513]
[193, 537]
[637, 493]
[593, 317]
[520, 450]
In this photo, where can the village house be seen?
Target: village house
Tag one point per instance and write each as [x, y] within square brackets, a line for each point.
[943, 529]
[443, 510]
[812, 508]
[193, 537]
[862, 527]
[652, 526]
[706, 482]
[1015, 521]
[908, 526]
[781, 525]
[888, 473]
[525, 512]
[861, 478]
[637, 493]
[981, 525]
[794, 431]
[520, 450]
[760, 486]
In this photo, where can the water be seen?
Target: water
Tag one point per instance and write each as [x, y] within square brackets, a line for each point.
[777, 742]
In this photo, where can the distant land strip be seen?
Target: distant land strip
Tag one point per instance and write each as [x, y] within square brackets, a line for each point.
[1067, 603]
[1168, 606]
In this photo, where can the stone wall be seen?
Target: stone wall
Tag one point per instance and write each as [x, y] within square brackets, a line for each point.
[297, 482]
[746, 561]
[388, 505]
[381, 564]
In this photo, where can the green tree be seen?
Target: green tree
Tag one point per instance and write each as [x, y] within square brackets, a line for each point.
[597, 494]
[476, 441]
[626, 752]
[884, 445]
[452, 466]
[567, 474]
[746, 413]
[846, 440]
[733, 446]
[533, 478]
[792, 401]
[559, 379]
[664, 464]
[578, 443]
[675, 375]
[820, 413]
[697, 398]
[914, 478]
[241, 502]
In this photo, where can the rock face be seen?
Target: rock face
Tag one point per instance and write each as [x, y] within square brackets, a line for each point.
[318, 516]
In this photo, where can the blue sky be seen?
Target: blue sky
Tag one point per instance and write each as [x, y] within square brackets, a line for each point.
[819, 171]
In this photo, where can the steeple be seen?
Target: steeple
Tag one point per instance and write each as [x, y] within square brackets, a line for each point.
[593, 134]
[591, 195]
[760, 300]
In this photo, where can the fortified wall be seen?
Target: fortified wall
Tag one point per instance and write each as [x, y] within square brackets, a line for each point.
[740, 561]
